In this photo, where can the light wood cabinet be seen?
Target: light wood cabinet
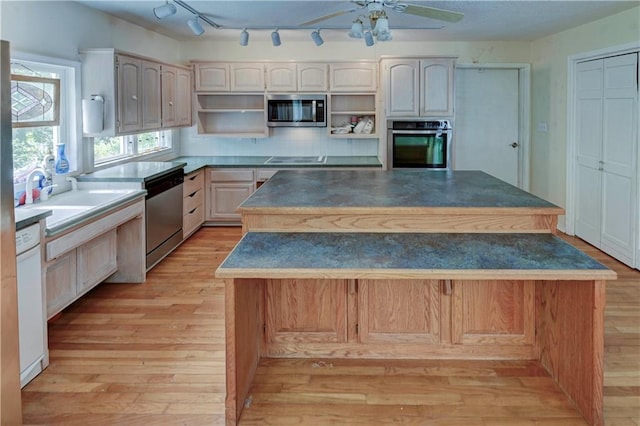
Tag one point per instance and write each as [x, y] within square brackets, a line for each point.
[212, 77]
[296, 77]
[312, 311]
[353, 77]
[193, 203]
[150, 94]
[418, 87]
[227, 189]
[384, 316]
[61, 283]
[493, 312]
[133, 90]
[246, 77]
[225, 77]
[96, 260]
[129, 94]
[395, 312]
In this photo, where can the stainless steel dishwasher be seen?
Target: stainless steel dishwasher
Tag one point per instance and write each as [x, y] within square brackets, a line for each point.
[163, 215]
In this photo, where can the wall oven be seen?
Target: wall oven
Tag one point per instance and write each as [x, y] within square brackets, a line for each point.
[424, 144]
[296, 110]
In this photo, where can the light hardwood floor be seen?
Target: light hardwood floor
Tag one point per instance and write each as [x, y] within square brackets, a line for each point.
[153, 354]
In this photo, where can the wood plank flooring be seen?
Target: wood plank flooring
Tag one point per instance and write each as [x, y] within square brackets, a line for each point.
[153, 354]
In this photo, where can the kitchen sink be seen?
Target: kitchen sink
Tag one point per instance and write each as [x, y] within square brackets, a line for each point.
[297, 160]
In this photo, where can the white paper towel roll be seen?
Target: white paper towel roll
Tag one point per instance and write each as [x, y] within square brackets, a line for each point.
[92, 115]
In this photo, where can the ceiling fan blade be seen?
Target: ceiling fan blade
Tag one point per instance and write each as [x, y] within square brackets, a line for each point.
[433, 13]
[324, 18]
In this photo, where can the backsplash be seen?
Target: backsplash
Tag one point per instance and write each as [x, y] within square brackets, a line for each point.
[282, 141]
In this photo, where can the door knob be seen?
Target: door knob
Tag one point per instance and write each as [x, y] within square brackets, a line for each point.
[515, 145]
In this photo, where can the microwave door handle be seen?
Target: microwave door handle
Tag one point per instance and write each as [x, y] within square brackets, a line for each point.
[415, 132]
[313, 111]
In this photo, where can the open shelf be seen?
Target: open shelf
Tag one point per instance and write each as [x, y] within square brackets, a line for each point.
[231, 115]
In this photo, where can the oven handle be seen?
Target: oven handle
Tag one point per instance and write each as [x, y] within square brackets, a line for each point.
[418, 132]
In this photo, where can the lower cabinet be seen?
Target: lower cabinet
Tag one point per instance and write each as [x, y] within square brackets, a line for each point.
[79, 270]
[227, 189]
[384, 315]
[193, 202]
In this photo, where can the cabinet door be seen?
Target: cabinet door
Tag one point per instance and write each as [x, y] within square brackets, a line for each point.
[224, 199]
[212, 77]
[169, 96]
[129, 94]
[281, 77]
[401, 86]
[61, 283]
[151, 95]
[493, 312]
[353, 77]
[399, 311]
[247, 77]
[436, 94]
[306, 311]
[183, 98]
[96, 261]
[312, 77]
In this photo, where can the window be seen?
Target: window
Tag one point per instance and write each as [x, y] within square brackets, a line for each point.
[42, 111]
[108, 149]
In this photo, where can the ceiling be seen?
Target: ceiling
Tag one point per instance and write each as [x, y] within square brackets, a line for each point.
[514, 20]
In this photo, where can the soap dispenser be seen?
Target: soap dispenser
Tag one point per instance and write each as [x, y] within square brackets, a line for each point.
[49, 166]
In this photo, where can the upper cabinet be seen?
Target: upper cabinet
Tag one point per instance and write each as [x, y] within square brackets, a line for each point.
[296, 77]
[419, 87]
[353, 77]
[139, 93]
[225, 77]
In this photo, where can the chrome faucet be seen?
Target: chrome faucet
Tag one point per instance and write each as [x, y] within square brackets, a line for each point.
[28, 187]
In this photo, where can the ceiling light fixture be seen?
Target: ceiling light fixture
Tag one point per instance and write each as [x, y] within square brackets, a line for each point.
[244, 37]
[275, 38]
[356, 28]
[165, 10]
[195, 25]
[317, 39]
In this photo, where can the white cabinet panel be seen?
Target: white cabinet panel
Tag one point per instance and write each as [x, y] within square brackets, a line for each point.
[281, 77]
[96, 261]
[212, 77]
[353, 77]
[129, 94]
[247, 77]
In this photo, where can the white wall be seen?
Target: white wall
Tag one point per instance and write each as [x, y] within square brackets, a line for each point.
[549, 94]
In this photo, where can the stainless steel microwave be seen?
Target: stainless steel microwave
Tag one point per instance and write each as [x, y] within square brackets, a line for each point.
[296, 110]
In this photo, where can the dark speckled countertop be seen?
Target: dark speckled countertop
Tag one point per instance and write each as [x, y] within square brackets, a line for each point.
[197, 162]
[430, 255]
[396, 188]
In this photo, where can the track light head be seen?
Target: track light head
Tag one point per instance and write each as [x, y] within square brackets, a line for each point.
[244, 37]
[368, 38]
[195, 25]
[317, 39]
[275, 38]
[165, 10]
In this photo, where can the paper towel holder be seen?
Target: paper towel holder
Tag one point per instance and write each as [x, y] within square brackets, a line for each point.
[93, 114]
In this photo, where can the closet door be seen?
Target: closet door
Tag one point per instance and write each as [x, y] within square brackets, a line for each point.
[619, 154]
[607, 126]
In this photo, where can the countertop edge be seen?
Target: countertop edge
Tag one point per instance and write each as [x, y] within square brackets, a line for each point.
[30, 219]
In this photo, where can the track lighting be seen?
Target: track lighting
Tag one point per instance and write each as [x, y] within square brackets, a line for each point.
[165, 10]
[317, 39]
[275, 38]
[368, 38]
[244, 37]
[195, 25]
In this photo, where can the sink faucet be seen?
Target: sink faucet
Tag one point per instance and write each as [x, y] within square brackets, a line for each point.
[28, 188]
[74, 183]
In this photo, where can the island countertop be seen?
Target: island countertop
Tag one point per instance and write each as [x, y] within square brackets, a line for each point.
[395, 189]
[424, 256]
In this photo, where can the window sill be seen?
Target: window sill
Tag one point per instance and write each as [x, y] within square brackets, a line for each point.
[159, 155]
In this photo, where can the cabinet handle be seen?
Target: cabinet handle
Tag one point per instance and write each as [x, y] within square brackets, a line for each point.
[447, 288]
[192, 195]
[170, 103]
[134, 97]
[191, 212]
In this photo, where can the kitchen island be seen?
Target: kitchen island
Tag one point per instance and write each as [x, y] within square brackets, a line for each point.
[410, 265]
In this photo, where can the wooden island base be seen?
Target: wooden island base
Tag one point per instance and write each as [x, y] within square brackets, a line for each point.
[555, 316]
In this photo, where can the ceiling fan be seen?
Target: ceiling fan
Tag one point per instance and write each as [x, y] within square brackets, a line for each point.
[375, 9]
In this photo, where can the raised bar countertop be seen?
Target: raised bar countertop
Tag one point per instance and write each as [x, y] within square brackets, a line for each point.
[420, 255]
[395, 189]
[194, 163]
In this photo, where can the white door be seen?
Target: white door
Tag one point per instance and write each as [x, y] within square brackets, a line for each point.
[607, 126]
[485, 136]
